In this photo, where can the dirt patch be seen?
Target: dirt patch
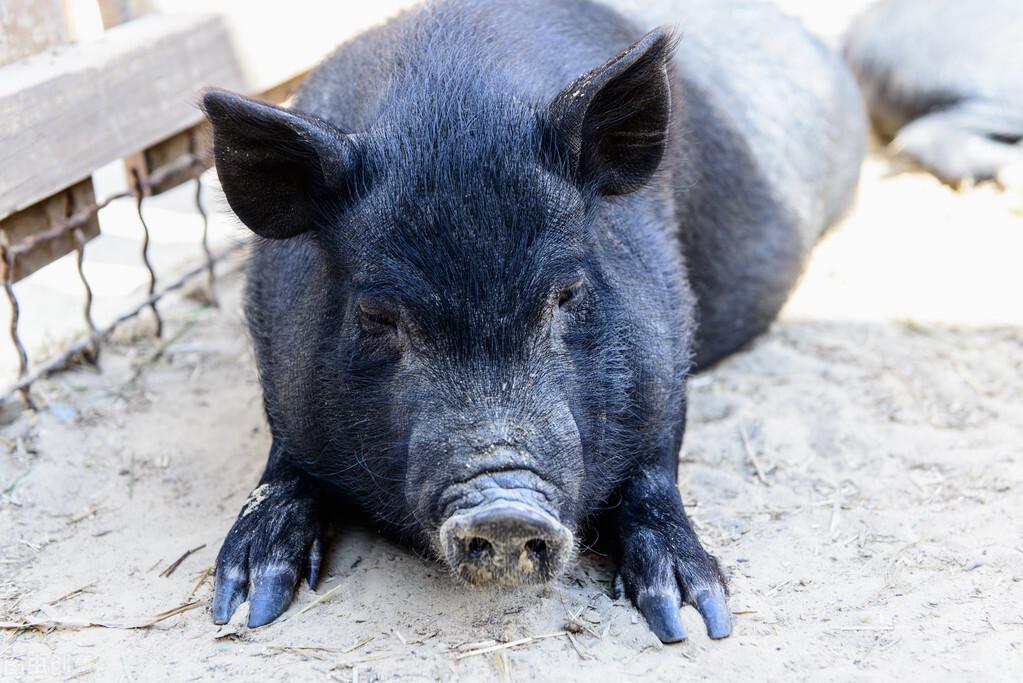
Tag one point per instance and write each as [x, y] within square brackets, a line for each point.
[857, 471]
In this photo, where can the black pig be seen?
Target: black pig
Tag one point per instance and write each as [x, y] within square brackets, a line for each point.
[495, 239]
[943, 80]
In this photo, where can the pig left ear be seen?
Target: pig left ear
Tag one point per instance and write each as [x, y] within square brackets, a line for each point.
[611, 125]
[281, 170]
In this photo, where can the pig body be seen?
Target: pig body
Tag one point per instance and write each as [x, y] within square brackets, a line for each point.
[942, 81]
[495, 240]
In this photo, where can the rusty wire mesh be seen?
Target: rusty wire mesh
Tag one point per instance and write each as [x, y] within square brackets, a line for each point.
[190, 167]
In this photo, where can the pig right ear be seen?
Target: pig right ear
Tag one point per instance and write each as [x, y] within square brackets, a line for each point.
[281, 170]
[610, 126]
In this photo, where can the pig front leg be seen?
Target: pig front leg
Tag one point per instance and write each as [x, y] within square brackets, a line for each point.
[970, 141]
[276, 540]
[662, 562]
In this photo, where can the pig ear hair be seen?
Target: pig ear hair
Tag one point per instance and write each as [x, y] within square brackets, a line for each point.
[281, 170]
[611, 125]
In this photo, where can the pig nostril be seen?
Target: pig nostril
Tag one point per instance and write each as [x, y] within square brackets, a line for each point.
[478, 547]
[537, 549]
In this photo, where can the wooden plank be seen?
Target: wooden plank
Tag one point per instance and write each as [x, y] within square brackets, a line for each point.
[141, 164]
[115, 12]
[280, 40]
[282, 94]
[46, 214]
[30, 26]
[64, 115]
[196, 140]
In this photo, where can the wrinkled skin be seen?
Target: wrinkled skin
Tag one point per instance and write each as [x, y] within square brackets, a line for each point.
[942, 82]
[485, 241]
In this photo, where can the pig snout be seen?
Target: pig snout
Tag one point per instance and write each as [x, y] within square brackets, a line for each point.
[505, 543]
[499, 499]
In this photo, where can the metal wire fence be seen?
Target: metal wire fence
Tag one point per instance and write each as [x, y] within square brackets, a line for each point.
[188, 167]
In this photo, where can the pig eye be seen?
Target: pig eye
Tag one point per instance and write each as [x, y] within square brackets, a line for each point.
[377, 318]
[571, 294]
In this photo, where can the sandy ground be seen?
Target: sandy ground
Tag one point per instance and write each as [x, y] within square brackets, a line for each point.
[856, 471]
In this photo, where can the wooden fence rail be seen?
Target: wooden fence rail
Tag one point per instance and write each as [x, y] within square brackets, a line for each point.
[68, 108]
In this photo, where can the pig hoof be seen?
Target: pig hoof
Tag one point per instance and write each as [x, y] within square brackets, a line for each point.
[712, 605]
[271, 593]
[657, 581]
[661, 613]
[276, 539]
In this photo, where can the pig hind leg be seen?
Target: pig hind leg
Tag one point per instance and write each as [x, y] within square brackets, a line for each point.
[276, 540]
[968, 141]
[662, 563]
